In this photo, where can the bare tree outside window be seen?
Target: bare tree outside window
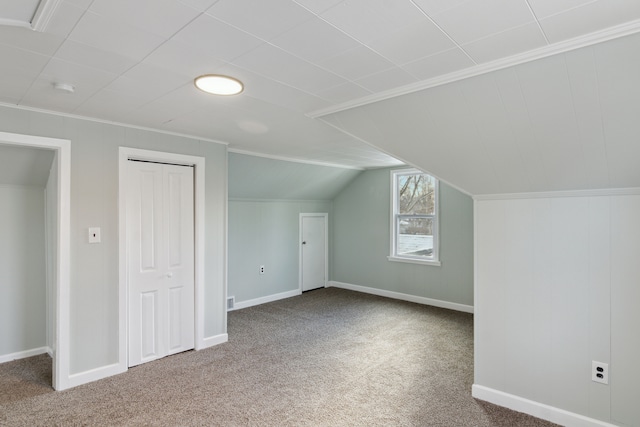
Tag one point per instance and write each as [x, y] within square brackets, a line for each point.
[414, 214]
[417, 197]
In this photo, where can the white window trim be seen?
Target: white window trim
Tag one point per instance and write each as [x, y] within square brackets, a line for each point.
[434, 260]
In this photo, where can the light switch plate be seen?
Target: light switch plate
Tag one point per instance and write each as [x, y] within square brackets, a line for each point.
[94, 234]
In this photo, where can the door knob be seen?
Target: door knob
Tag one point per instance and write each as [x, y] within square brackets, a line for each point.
[169, 275]
[304, 243]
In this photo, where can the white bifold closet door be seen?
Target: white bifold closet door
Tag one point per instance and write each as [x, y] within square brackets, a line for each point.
[160, 239]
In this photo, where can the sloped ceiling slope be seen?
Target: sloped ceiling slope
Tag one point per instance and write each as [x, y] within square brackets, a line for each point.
[261, 178]
[566, 122]
[24, 166]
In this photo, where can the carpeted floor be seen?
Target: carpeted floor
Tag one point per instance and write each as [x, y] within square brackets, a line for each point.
[330, 357]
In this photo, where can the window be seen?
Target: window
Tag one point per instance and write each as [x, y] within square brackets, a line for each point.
[414, 217]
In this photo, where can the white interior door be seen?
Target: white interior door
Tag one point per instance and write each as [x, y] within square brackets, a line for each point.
[313, 259]
[160, 237]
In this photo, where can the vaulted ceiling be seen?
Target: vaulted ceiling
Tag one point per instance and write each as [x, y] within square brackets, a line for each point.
[493, 96]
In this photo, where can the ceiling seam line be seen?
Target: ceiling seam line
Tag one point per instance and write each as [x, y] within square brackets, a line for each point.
[590, 39]
[365, 45]
[444, 32]
[546, 39]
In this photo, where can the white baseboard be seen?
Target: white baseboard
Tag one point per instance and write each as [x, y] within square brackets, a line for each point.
[117, 368]
[94, 375]
[403, 297]
[538, 410]
[26, 353]
[214, 340]
[264, 300]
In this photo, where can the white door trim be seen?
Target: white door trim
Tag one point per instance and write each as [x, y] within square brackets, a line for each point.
[326, 246]
[126, 153]
[62, 147]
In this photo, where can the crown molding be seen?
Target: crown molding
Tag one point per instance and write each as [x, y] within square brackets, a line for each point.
[291, 159]
[590, 39]
[43, 14]
[14, 23]
[603, 192]
[109, 122]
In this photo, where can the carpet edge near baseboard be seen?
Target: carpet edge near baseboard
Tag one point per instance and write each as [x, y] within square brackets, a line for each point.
[404, 297]
[533, 408]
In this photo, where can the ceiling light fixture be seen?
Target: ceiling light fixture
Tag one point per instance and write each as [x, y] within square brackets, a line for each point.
[218, 84]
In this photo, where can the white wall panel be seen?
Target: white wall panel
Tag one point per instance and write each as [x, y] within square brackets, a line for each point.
[490, 282]
[568, 240]
[599, 272]
[557, 287]
[541, 309]
[625, 313]
[519, 231]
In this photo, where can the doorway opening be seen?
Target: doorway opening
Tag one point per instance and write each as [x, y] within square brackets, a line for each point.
[314, 251]
[34, 197]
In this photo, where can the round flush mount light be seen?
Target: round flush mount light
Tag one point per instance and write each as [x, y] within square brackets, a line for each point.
[218, 85]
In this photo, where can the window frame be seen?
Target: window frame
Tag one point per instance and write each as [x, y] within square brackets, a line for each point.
[434, 259]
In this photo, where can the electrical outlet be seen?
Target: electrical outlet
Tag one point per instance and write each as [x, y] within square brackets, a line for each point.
[600, 372]
[262, 269]
[231, 302]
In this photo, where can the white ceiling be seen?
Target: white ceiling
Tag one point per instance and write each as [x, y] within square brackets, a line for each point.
[18, 12]
[565, 122]
[134, 62]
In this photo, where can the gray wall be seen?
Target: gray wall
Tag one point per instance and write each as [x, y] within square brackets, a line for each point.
[94, 202]
[361, 243]
[557, 288]
[22, 269]
[266, 198]
[266, 233]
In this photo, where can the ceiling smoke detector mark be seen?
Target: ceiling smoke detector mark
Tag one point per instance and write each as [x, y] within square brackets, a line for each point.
[252, 127]
[33, 14]
[64, 87]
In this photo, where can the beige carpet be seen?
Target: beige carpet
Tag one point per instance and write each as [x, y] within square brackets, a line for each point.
[327, 358]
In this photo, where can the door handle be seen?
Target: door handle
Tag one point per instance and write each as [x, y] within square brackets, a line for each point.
[169, 275]
[304, 243]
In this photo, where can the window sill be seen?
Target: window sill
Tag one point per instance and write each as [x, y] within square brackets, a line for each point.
[414, 261]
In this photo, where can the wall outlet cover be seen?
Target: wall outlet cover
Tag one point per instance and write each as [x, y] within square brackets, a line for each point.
[600, 372]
